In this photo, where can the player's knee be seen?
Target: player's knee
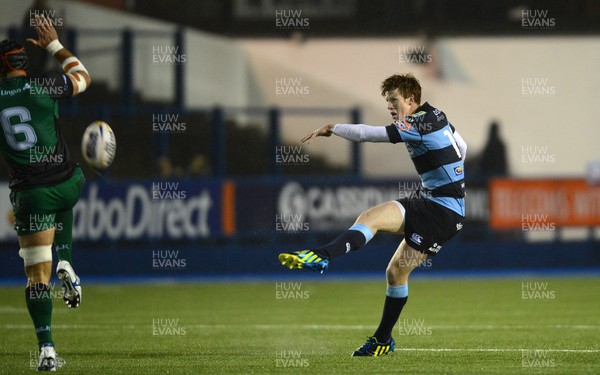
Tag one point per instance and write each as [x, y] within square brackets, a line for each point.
[390, 274]
[364, 216]
[399, 269]
[368, 218]
[36, 254]
[397, 278]
[393, 272]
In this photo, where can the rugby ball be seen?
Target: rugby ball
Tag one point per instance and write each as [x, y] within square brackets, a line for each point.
[99, 145]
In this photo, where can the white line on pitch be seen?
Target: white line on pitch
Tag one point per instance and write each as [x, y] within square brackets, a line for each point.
[362, 327]
[333, 327]
[330, 327]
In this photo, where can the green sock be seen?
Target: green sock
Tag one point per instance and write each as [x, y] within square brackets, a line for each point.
[63, 235]
[39, 304]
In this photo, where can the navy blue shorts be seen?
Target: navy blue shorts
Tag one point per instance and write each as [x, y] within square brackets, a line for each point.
[428, 225]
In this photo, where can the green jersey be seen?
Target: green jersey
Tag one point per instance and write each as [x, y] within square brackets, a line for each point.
[30, 140]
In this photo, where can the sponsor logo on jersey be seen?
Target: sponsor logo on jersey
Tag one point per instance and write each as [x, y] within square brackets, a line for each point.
[416, 238]
[435, 248]
[414, 116]
[439, 115]
[403, 125]
[458, 170]
[25, 87]
[459, 226]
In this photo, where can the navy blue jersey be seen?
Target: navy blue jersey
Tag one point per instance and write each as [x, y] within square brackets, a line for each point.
[428, 136]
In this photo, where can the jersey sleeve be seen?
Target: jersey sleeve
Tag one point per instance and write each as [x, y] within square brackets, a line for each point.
[58, 85]
[402, 131]
[393, 133]
[361, 132]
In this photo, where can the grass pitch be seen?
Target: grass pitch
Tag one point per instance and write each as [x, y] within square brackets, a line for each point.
[549, 326]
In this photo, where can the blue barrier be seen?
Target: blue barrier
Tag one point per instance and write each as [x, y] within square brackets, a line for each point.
[209, 261]
[214, 227]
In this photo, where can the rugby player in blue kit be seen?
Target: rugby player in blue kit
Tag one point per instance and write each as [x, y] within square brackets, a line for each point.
[427, 220]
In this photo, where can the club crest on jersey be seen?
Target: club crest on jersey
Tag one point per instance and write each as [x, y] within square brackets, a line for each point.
[458, 170]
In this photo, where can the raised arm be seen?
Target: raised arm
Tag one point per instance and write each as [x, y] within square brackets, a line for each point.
[351, 132]
[73, 68]
[361, 132]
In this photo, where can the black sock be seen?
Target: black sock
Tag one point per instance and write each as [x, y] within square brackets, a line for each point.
[391, 312]
[348, 241]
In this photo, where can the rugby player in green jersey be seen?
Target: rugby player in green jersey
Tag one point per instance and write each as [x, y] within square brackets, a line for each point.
[44, 183]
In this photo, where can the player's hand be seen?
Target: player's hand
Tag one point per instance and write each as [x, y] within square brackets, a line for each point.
[323, 131]
[46, 31]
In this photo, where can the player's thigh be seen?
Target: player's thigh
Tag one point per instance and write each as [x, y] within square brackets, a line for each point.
[64, 196]
[35, 209]
[42, 238]
[406, 258]
[386, 217]
[34, 218]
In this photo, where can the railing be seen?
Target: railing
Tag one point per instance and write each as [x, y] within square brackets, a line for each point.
[128, 106]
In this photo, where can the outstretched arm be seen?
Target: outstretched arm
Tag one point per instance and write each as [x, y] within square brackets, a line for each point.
[351, 132]
[73, 68]
[323, 131]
